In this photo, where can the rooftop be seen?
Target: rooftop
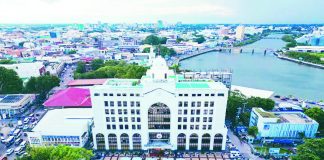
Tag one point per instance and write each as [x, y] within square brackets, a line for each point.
[265, 114]
[294, 118]
[72, 121]
[70, 97]
[86, 82]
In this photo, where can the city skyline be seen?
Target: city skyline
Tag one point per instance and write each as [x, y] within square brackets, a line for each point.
[145, 11]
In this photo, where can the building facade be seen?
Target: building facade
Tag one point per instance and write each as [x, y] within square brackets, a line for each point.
[159, 111]
[14, 104]
[289, 125]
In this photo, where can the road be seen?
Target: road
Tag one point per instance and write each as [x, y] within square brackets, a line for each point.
[243, 147]
[66, 77]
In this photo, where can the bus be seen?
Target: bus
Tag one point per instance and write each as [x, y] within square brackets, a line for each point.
[10, 141]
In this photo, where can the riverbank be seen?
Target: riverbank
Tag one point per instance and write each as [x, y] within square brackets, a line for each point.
[280, 56]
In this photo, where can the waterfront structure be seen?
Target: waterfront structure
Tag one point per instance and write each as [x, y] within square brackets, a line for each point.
[161, 110]
[62, 127]
[224, 76]
[316, 49]
[12, 104]
[288, 125]
[239, 32]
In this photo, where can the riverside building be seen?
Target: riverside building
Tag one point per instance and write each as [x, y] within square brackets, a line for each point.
[161, 110]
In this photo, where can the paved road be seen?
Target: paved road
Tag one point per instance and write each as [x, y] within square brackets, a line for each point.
[66, 77]
[243, 147]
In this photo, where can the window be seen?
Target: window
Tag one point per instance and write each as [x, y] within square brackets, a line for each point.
[213, 95]
[211, 104]
[124, 94]
[207, 95]
[118, 94]
[186, 95]
[198, 104]
[205, 111]
[112, 111]
[197, 119]
[105, 94]
[107, 119]
[194, 95]
[199, 95]
[108, 126]
[206, 104]
[133, 127]
[209, 126]
[185, 111]
[119, 103]
[184, 119]
[132, 103]
[192, 119]
[96, 94]
[138, 126]
[125, 103]
[120, 111]
[113, 126]
[204, 127]
[205, 119]
[113, 119]
[179, 111]
[180, 95]
[137, 94]
[107, 111]
[198, 111]
[210, 119]
[126, 126]
[138, 104]
[138, 112]
[121, 127]
[220, 94]
[179, 126]
[132, 94]
[120, 119]
[110, 94]
[192, 126]
[112, 103]
[180, 104]
[193, 104]
[125, 111]
[210, 111]
[184, 126]
[132, 111]
[185, 104]
[179, 119]
[133, 119]
[192, 112]
[138, 119]
[125, 119]
[197, 126]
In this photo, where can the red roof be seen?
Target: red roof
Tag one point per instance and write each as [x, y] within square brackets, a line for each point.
[70, 97]
[86, 82]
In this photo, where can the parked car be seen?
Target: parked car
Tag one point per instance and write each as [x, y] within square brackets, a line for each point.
[18, 141]
[9, 151]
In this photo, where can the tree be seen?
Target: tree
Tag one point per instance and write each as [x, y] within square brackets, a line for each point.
[80, 67]
[317, 114]
[97, 63]
[225, 38]
[265, 103]
[6, 61]
[10, 82]
[253, 131]
[146, 50]
[179, 40]
[176, 68]
[72, 52]
[42, 85]
[60, 152]
[152, 40]
[165, 51]
[312, 149]
[234, 101]
[200, 39]
[163, 40]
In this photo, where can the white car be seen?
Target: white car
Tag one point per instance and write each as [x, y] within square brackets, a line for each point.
[9, 151]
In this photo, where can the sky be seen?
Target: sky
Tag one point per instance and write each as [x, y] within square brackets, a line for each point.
[171, 11]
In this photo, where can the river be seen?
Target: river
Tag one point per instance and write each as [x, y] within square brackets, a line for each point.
[264, 71]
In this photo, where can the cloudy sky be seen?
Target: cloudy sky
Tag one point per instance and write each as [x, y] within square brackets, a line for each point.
[148, 11]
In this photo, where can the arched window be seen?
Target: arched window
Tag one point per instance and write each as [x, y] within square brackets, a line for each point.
[100, 139]
[137, 142]
[193, 142]
[159, 116]
[112, 142]
[181, 141]
[205, 142]
[218, 141]
[124, 141]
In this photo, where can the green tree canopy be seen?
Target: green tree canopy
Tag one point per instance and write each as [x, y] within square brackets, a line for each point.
[7, 61]
[312, 149]
[165, 51]
[200, 39]
[225, 38]
[152, 40]
[146, 50]
[317, 114]
[265, 103]
[253, 131]
[72, 52]
[57, 153]
[80, 67]
[179, 39]
[97, 63]
[42, 85]
[10, 82]
[163, 40]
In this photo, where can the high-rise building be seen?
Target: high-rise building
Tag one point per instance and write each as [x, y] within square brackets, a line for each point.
[239, 33]
[162, 110]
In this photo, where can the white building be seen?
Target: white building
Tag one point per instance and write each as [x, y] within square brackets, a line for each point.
[62, 126]
[315, 49]
[289, 125]
[239, 33]
[159, 111]
[27, 70]
[12, 104]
